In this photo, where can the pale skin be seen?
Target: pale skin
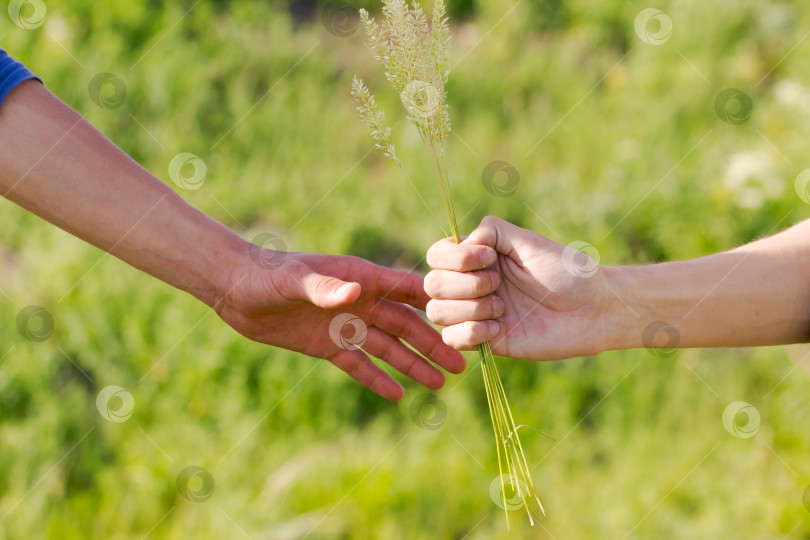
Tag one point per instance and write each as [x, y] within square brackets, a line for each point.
[515, 288]
[56, 165]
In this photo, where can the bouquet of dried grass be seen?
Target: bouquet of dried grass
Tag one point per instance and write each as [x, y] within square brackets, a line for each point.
[414, 54]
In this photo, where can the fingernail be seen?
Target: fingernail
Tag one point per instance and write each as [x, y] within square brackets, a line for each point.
[488, 256]
[494, 328]
[497, 306]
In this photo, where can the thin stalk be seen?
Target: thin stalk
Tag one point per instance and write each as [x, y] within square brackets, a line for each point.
[518, 444]
[489, 394]
[451, 212]
[518, 465]
[502, 420]
[496, 426]
[492, 383]
[410, 63]
[444, 184]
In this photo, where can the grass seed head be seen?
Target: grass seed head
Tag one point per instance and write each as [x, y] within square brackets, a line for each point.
[414, 54]
[373, 117]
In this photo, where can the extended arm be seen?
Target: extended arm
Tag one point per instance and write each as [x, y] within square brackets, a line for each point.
[58, 166]
[757, 294]
[541, 300]
[61, 168]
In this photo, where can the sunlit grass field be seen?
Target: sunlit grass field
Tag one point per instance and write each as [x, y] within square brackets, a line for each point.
[616, 141]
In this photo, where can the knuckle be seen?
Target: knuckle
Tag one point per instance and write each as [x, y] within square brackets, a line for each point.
[387, 350]
[353, 370]
[446, 255]
[411, 369]
[488, 220]
[433, 311]
[483, 284]
[459, 336]
[433, 353]
[291, 275]
[471, 258]
[491, 221]
[432, 284]
[413, 297]
[479, 330]
[449, 337]
[296, 269]
[432, 256]
[483, 308]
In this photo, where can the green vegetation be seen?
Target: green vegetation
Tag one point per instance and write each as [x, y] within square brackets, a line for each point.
[616, 141]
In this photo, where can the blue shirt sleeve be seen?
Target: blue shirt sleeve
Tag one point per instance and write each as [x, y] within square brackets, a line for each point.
[12, 73]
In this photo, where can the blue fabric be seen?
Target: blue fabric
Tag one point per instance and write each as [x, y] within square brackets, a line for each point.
[12, 73]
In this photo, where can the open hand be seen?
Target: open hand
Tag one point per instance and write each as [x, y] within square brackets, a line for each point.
[294, 301]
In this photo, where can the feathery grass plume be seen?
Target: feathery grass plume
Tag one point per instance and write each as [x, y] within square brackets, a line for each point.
[414, 54]
[373, 118]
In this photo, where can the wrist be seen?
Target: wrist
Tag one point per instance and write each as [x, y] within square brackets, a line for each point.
[251, 278]
[208, 261]
[626, 308]
[225, 259]
[651, 304]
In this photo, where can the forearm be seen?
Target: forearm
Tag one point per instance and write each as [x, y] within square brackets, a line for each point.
[758, 294]
[59, 167]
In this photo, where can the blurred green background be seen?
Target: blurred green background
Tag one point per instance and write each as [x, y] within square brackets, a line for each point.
[617, 141]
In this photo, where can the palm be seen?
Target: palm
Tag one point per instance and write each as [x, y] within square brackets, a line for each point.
[264, 305]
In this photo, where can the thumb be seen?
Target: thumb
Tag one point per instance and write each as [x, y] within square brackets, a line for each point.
[505, 237]
[325, 291]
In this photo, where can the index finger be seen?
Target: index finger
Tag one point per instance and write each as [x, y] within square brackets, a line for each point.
[447, 255]
[403, 287]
